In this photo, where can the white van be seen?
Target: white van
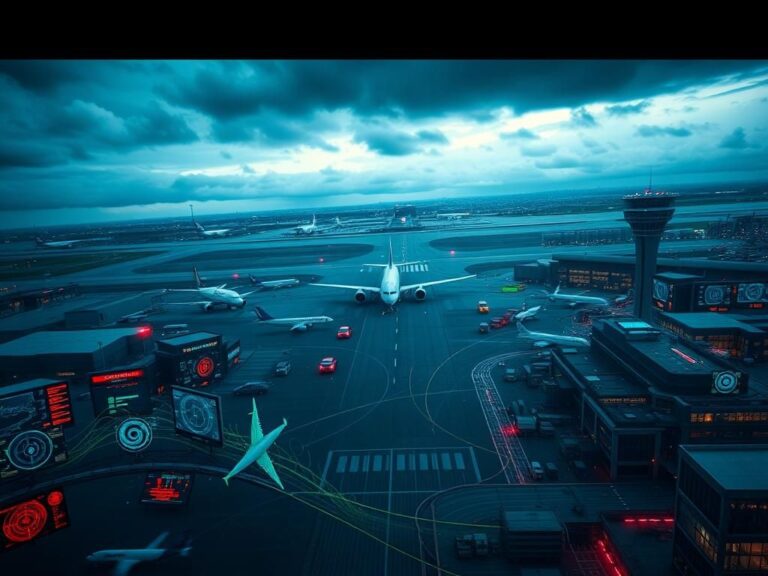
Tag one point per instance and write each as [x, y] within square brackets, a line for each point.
[175, 330]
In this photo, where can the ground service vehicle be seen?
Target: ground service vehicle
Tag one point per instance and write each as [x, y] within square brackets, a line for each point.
[327, 365]
[483, 307]
[282, 368]
[344, 333]
[537, 470]
[483, 327]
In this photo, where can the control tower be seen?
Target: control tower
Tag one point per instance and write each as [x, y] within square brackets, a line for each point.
[647, 214]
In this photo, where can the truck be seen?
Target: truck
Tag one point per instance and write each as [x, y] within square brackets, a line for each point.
[526, 425]
[472, 545]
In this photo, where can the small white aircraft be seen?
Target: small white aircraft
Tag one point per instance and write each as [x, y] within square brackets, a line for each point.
[284, 283]
[215, 296]
[56, 244]
[125, 560]
[390, 289]
[299, 324]
[257, 452]
[453, 215]
[542, 339]
[576, 299]
[526, 314]
[220, 233]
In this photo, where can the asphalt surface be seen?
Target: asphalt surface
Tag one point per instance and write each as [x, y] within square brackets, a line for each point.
[364, 447]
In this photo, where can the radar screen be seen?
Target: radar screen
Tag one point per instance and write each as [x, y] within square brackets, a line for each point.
[30, 519]
[662, 294]
[752, 295]
[166, 488]
[36, 404]
[197, 415]
[712, 297]
[28, 450]
[726, 382]
[120, 391]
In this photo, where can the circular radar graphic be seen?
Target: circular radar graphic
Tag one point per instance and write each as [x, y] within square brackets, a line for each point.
[30, 450]
[134, 435]
[205, 366]
[753, 292]
[197, 416]
[660, 290]
[714, 295]
[25, 521]
[725, 382]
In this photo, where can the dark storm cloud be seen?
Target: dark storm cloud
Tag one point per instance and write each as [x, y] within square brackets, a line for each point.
[581, 118]
[43, 75]
[521, 134]
[388, 142]
[627, 109]
[233, 89]
[432, 136]
[647, 131]
[272, 130]
[17, 154]
[736, 140]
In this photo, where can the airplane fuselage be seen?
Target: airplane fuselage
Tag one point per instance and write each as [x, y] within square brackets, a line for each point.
[390, 285]
[255, 451]
[554, 338]
[138, 555]
[278, 283]
[306, 320]
[577, 299]
[224, 296]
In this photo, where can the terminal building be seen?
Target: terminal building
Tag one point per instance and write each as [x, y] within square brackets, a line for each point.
[72, 354]
[721, 510]
[641, 392]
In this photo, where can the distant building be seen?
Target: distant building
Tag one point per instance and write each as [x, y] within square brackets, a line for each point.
[15, 302]
[721, 510]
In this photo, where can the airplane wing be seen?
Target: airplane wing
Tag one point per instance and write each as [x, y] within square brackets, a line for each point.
[157, 541]
[266, 463]
[299, 326]
[198, 303]
[123, 567]
[376, 265]
[366, 288]
[256, 433]
[167, 290]
[435, 282]
[244, 294]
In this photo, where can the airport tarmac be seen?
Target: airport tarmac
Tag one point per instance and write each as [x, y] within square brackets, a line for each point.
[400, 419]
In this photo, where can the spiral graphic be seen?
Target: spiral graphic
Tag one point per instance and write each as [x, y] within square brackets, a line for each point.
[30, 450]
[725, 382]
[25, 521]
[134, 435]
[205, 366]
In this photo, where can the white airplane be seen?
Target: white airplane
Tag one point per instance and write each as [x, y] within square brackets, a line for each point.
[526, 314]
[576, 299]
[453, 215]
[125, 560]
[284, 283]
[390, 289]
[299, 324]
[56, 244]
[257, 452]
[307, 228]
[215, 296]
[542, 339]
[220, 233]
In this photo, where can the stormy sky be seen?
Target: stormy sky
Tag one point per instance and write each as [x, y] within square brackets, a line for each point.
[86, 141]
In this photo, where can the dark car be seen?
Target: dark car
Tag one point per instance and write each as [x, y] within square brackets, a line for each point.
[254, 388]
[282, 368]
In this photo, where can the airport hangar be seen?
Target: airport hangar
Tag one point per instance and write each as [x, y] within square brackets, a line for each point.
[640, 392]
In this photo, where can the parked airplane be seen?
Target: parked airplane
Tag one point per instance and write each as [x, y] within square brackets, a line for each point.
[526, 314]
[215, 296]
[299, 324]
[56, 244]
[284, 283]
[126, 559]
[134, 317]
[208, 233]
[577, 299]
[542, 339]
[257, 452]
[453, 215]
[390, 289]
[307, 228]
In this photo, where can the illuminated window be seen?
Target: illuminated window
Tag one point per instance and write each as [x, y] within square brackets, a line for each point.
[746, 556]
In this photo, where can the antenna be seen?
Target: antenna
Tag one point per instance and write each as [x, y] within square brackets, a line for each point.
[192, 210]
[650, 181]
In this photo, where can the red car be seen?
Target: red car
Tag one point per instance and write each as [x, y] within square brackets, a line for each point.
[344, 332]
[327, 365]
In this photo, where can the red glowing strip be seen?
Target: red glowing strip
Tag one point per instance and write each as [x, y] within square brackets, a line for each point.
[101, 378]
[684, 356]
[59, 405]
[164, 494]
[665, 520]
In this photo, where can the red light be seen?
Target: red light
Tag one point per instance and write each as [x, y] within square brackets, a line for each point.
[144, 331]
[205, 367]
[55, 498]
[684, 356]
[453, 252]
[235, 275]
[101, 378]
[509, 430]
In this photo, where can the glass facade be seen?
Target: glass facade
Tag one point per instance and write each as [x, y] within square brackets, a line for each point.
[748, 517]
[701, 494]
[741, 556]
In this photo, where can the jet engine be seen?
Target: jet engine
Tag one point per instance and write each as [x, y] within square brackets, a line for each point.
[360, 296]
[420, 293]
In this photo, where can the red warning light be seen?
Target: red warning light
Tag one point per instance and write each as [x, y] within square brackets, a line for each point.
[55, 498]
[25, 521]
[235, 275]
[144, 332]
[453, 252]
[205, 367]
[509, 430]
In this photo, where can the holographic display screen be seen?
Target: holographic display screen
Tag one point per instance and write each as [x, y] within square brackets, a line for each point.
[166, 488]
[197, 415]
[32, 518]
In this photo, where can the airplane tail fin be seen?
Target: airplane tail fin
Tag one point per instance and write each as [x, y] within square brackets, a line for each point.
[262, 314]
[226, 480]
[185, 551]
[39, 241]
[183, 544]
[522, 328]
[254, 280]
[557, 290]
[391, 261]
[198, 282]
